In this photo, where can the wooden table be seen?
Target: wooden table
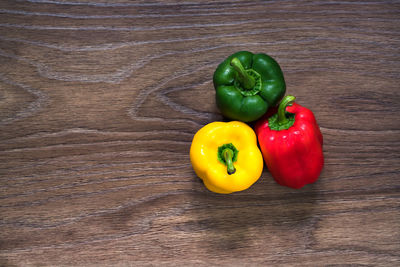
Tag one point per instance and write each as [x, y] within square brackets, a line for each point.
[99, 102]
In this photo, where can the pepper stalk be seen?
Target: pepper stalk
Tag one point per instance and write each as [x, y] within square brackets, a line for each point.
[286, 101]
[227, 154]
[246, 80]
[282, 120]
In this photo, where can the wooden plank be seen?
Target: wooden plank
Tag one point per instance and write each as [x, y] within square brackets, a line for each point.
[99, 102]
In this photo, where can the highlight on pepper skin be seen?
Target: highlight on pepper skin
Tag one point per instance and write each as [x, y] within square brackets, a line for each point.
[226, 157]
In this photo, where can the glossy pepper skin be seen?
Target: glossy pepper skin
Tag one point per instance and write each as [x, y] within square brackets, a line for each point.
[226, 157]
[247, 85]
[291, 144]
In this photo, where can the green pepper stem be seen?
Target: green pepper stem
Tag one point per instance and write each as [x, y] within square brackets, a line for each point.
[227, 153]
[286, 101]
[245, 79]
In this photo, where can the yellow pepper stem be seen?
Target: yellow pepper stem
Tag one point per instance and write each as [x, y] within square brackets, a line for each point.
[227, 153]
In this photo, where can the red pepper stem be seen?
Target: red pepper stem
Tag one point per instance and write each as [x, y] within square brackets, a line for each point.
[228, 155]
[245, 79]
[286, 101]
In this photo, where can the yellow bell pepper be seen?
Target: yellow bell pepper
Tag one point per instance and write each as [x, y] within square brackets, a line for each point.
[226, 157]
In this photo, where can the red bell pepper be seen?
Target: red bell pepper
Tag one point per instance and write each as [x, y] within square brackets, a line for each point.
[291, 143]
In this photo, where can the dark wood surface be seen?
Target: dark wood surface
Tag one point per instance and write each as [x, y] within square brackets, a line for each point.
[99, 102]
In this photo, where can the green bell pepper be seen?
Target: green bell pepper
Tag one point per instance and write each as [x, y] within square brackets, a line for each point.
[247, 85]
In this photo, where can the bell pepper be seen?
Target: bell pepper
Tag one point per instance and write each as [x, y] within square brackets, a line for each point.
[226, 157]
[247, 85]
[291, 144]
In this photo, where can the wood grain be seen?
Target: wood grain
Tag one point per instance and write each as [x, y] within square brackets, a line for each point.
[99, 101]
